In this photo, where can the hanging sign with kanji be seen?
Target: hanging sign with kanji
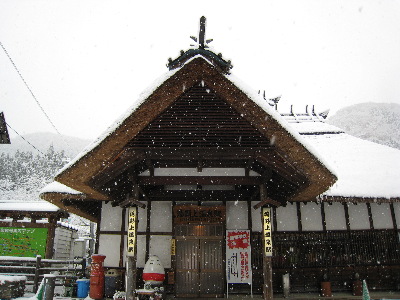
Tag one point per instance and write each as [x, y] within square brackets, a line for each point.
[131, 238]
[267, 230]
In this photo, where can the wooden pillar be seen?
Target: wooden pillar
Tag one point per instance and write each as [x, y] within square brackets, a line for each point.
[148, 228]
[50, 236]
[131, 270]
[122, 242]
[393, 216]
[371, 219]
[299, 221]
[323, 216]
[266, 218]
[347, 216]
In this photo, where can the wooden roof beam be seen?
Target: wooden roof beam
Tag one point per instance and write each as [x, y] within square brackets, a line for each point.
[281, 167]
[202, 180]
[204, 153]
[117, 167]
[265, 200]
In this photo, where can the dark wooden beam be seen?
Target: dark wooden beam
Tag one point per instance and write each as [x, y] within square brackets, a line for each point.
[206, 153]
[132, 202]
[265, 199]
[150, 165]
[274, 161]
[202, 195]
[248, 167]
[200, 165]
[148, 229]
[393, 216]
[122, 241]
[347, 216]
[119, 165]
[371, 219]
[203, 180]
[323, 216]
[299, 221]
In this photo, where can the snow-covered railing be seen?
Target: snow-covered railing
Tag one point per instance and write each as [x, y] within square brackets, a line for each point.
[66, 271]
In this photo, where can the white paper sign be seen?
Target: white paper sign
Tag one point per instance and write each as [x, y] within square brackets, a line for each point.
[238, 256]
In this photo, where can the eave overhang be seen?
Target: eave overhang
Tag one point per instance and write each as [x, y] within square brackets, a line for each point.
[78, 204]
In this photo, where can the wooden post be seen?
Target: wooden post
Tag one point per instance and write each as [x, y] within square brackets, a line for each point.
[266, 219]
[50, 236]
[267, 271]
[37, 273]
[131, 271]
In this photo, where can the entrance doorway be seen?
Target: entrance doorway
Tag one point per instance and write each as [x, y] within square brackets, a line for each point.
[199, 260]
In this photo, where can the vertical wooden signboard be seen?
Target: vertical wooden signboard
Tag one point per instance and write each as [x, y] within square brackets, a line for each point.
[267, 230]
[267, 252]
[131, 238]
[131, 253]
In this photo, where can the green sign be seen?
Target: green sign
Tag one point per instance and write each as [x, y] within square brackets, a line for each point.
[28, 242]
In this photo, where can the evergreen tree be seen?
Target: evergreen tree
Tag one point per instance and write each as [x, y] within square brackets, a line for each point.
[23, 175]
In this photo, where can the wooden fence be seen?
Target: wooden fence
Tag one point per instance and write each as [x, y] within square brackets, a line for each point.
[66, 271]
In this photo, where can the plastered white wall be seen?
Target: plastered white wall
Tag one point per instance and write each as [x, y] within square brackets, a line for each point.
[110, 217]
[141, 251]
[160, 245]
[286, 218]
[256, 217]
[311, 217]
[358, 215]
[142, 219]
[161, 216]
[236, 215]
[334, 216]
[109, 246]
[381, 216]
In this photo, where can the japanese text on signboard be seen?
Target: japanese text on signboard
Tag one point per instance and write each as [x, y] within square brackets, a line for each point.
[131, 239]
[267, 230]
[238, 252]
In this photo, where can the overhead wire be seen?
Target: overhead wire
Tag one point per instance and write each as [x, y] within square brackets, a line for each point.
[31, 92]
[8, 125]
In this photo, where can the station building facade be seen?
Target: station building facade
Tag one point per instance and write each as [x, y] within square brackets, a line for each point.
[200, 154]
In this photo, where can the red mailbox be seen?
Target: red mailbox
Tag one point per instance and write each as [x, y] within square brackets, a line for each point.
[97, 277]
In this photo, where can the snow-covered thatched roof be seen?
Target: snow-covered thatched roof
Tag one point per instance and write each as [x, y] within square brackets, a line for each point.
[365, 170]
[297, 152]
[31, 209]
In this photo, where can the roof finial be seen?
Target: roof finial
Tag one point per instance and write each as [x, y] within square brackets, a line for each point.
[202, 32]
[201, 40]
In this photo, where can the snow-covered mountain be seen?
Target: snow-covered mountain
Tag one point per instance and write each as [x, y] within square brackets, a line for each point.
[376, 122]
[42, 141]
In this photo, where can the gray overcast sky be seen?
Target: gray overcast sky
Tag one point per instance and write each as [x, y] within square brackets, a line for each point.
[87, 61]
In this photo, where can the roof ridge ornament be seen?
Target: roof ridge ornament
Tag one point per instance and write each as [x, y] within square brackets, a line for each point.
[202, 43]
[201, 40]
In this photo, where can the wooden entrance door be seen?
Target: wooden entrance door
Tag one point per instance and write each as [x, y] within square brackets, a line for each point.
[199, 262]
